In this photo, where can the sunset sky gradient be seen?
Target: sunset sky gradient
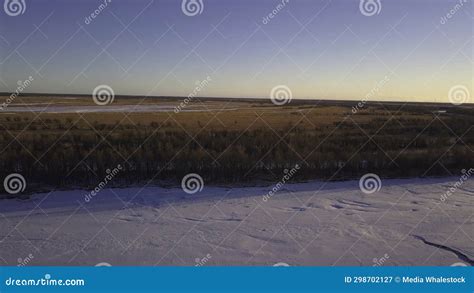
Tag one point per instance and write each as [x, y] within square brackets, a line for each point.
[319, 49]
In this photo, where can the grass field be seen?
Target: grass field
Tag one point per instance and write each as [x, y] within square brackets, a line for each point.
[232, 140]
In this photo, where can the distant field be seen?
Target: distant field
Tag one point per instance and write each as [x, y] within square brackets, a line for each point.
[232, 141]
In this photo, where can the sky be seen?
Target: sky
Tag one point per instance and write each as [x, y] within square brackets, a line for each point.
[407, 50]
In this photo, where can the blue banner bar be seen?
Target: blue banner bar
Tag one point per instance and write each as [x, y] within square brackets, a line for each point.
[237, 279]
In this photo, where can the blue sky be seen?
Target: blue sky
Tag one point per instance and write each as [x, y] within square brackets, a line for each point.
[319, 49]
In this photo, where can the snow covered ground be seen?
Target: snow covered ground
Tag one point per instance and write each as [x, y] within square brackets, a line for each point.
[405, 223]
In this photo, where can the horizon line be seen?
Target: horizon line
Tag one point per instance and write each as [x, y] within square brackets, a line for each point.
[260, 99]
